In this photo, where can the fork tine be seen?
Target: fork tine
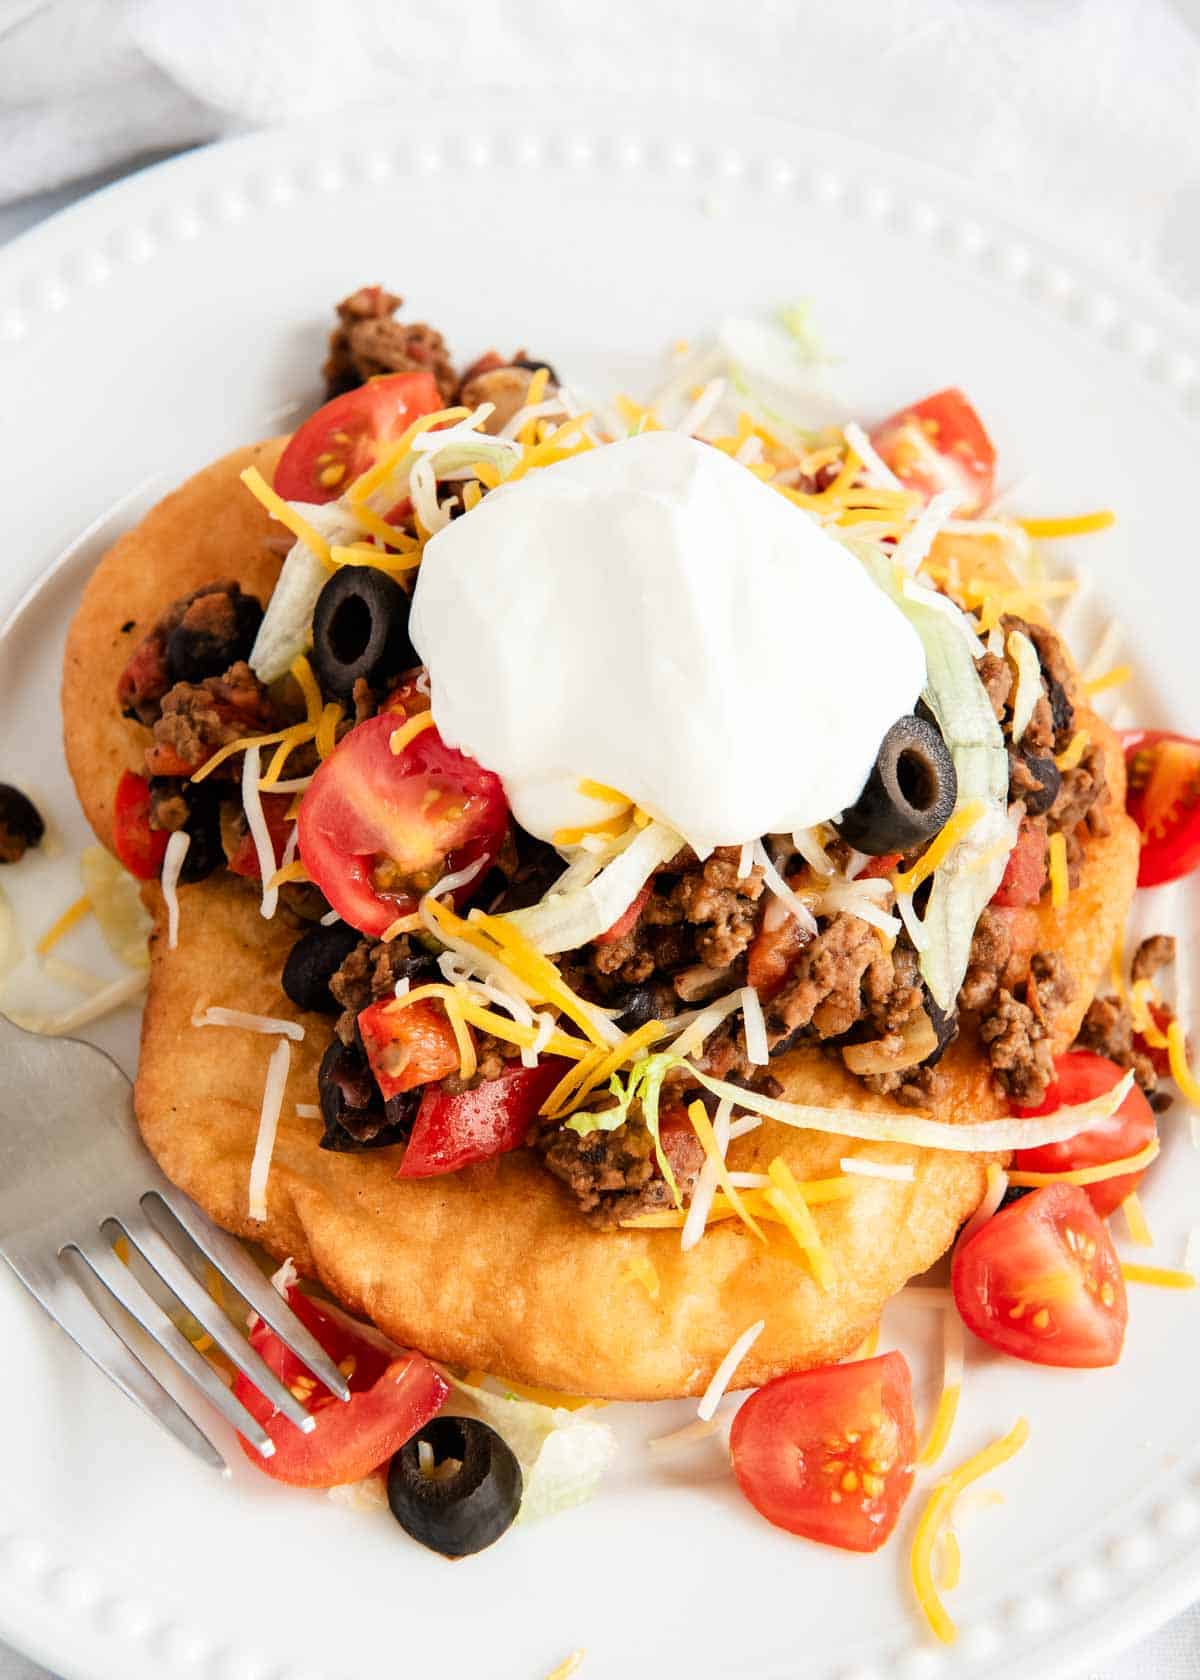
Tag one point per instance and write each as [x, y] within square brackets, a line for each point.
[229, 1259]
[101, 1340]
[116, 1277]
[179, 1280]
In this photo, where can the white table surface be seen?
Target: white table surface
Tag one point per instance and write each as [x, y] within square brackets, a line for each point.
[1171, 1654]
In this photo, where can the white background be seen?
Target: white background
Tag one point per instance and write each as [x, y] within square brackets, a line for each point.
[1088, 110]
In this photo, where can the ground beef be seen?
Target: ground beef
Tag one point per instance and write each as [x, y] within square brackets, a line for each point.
[215, 616]
[371, 971]
[996, 676]
[368, 341]
[1016, 1033]
[892, 990]
[991, 948]
[169, 808]
[1017, 1048]
[1057, 675]
[914, 1087]
[1107, 1030]
[614, 1175]
[1082, 795]
[698, 916]
[198, 718]
[825, 989]
[1151, 955]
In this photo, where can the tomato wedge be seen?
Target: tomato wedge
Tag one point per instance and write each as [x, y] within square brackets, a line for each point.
[378, 828]
[1025, 873]
[1163, 798]
[408, 1047]
[1041, 1281]
[457, 1131]
[346, 437]
[1078, 1077]
[940, 444]
[829, 1454]
[140, 848]
[391, 1398]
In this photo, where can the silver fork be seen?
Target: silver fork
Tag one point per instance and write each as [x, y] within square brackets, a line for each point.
[74, 1178]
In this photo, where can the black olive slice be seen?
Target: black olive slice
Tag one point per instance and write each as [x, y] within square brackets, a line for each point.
[1048, 779]
[21, 825]
[360, 629]
[909, 794]
[312, 963]
[468, 1499]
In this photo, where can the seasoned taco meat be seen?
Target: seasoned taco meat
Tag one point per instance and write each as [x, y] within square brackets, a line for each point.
[199, 718]
[198, 636]
[369, 341]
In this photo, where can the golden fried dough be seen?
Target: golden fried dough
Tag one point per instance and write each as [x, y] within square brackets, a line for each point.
[493, 1267]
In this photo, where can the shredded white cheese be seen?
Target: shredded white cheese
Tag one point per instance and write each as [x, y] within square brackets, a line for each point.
[704, 1021]
[745, 860]
[897, 1170]
[259, 832]
[330, 918]
[875, 469]
[268, 1125]
[706, 1183]
[1029, 681]
[702, 409]
[272, 1024]
[308, 1111]
[755, 1028]
[916, 542]
[698, 1430]
[779, 887]
[808, 843]
[913, 924]
[173, 858]
[723, 1375]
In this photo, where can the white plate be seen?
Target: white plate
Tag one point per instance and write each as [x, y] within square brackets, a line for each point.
[182, 312]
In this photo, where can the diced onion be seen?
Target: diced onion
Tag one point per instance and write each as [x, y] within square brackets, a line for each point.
[173, 860]
[268, 1125]
[272, 1024]
[723, 1375]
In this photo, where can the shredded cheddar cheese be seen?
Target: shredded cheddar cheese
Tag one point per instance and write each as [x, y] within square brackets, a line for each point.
[296, 733]
[73, 914]
[326, 736]
[601, 1071]
[953, 1346]
[467, 1059]
[1181, 1071]
[303, 673]
[1135, 1219]
[938, 1512]
[786, 1198]
[400, 738]
[1060, 883]
[1161, 1277]
[1080, 525]
[963, 820]
[1072, 753]
[1108, 679]
[285, 513]
[641, 1270]
[1088, 1175]
[702, 1126]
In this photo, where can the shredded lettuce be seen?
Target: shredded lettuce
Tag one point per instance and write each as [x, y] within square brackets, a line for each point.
[563, 1454]
[776, 365]
[563, 921]
[286, 629]
[117, 905]
[971, 1137]
[966, 879]
[644, 1085]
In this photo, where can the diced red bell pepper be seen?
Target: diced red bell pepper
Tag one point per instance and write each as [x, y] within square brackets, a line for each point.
[1025, 874]
[410, 1046]
[139, 847]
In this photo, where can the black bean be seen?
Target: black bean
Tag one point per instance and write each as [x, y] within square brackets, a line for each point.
[207, 641]
[1047, 775]
[352, 1106]
[312, 963]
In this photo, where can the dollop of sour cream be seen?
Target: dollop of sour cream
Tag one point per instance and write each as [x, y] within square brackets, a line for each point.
[651, 617]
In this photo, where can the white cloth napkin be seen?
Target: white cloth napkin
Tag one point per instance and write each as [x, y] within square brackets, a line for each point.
[1083, 110]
